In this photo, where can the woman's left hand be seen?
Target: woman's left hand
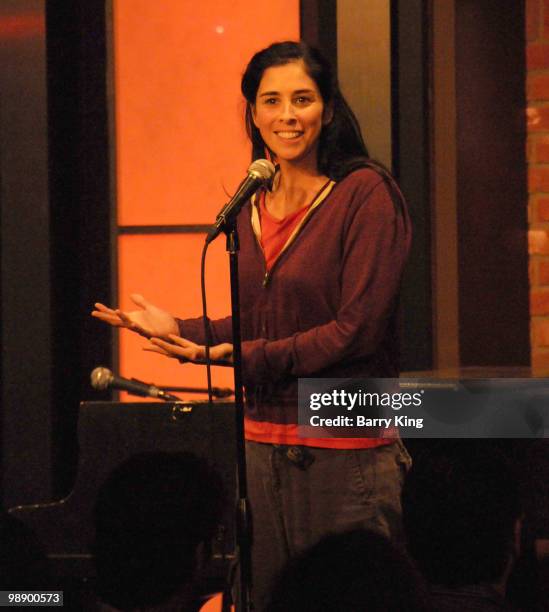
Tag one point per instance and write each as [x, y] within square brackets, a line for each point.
[185, 350]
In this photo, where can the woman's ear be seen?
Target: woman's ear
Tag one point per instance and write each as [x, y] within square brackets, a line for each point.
[252, 113]
[328, 114]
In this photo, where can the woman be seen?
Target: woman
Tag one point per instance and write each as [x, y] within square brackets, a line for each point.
[321, 260]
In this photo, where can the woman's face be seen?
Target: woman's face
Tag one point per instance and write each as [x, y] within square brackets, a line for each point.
[289, 113]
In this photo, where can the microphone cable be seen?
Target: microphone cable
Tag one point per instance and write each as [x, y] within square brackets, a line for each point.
[206, 321]
[259, 172]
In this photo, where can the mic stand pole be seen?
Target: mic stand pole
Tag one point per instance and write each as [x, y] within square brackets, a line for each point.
[242, 510]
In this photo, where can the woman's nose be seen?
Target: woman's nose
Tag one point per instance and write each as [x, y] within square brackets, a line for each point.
[287, 111]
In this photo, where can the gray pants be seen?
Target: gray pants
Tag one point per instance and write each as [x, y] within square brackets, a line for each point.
[293, 505]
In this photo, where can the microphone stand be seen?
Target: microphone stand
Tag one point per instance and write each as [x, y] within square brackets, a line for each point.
[242, 509]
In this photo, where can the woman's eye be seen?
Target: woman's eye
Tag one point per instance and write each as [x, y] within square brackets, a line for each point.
[302, 100]
[270, 100]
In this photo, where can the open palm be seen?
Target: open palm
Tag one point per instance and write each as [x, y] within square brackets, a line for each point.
[148, 321]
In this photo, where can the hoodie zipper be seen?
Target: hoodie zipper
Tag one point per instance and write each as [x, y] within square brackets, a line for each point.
[320, 197]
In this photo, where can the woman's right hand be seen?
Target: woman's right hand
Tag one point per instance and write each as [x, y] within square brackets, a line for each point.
[148, 321]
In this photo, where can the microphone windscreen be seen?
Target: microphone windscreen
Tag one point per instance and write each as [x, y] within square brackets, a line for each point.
[101, 378]
[262, 168]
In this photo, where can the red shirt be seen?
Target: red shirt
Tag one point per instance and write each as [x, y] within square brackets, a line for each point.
[276, 232]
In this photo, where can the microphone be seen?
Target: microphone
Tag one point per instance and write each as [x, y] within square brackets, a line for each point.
[260, 171]
[103, 378]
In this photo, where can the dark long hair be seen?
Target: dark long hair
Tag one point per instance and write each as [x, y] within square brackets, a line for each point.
[341, 147]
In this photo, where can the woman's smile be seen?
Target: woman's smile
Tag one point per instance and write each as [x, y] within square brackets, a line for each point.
[288, 135]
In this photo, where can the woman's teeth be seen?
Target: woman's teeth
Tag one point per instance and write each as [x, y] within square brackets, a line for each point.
[289, 135]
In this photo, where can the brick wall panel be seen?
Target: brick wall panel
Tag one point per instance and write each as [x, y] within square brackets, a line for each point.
[544, 12]
[531, 149]
[542, 210]
[538, 241]
[537, 150]
[539, 303]
[538, 179]
[537, 87]
[537, 56]
[542, 276]
[541, 152]
[541, 332]
[533, 19]
[538, 118]
[533, 272]
[540, 362]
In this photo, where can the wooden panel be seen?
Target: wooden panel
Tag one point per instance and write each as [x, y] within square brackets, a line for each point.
[411, 162]
[444, 211]
[319, 26]
[25, 333]
[491, 184]
[364, 69]
[81, 241]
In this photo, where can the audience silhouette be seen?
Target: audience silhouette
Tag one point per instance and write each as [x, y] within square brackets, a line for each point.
[355, 571]
[462, 517]
[154, 517]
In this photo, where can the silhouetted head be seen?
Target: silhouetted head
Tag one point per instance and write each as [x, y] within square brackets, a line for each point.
[356, 571]
[151, 515]
[460, 510]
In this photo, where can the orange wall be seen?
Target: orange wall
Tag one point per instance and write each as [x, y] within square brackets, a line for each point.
[181, 148]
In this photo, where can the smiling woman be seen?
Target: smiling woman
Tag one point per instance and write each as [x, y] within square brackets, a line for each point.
[289, 114]
[321, 258]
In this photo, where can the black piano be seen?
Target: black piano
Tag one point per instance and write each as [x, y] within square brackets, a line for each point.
[109, 433]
